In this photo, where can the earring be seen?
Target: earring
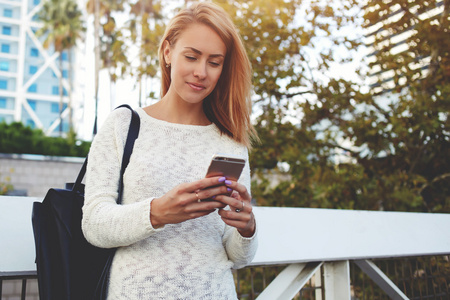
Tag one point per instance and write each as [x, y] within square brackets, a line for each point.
[167, 65]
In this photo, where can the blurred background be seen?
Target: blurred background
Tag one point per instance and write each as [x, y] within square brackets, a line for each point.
[351, 98]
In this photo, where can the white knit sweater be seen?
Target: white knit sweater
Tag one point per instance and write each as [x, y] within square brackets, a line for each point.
[190, 260]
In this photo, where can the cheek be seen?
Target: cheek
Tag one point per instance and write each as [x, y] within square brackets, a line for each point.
[177, 69]
[178, 72]
[216, 75]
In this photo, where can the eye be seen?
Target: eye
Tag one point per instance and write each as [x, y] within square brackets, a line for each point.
[191, 58]
[214, 64]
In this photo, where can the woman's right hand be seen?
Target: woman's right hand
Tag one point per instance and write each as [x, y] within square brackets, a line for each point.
[182, 202]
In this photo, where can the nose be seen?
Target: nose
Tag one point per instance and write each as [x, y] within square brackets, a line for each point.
[200, 70]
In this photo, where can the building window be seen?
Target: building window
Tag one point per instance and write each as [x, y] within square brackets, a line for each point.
[55, 90]
[6, 30]
[36, 2]
[33, 70]
[32, 104]
[34, 52]
[7, 13]
[32, 88]
[64, 56]
[3, 84]
[2, 102]
[65, 74]
[4, 66]
[6, 48]
[30, 123]
[55, 108]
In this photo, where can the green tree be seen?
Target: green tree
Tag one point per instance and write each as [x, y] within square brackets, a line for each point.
[112, 47]
[290, 45]
[19, 139]
[62, 27]
[416, 131]
[326, 140]
[146, 27]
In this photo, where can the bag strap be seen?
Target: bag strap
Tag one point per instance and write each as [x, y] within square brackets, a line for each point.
[133, 133]
[77, 186]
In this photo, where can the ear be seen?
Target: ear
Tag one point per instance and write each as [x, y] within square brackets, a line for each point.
[166, 52]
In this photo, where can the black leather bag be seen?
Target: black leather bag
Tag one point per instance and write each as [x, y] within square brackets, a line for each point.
[68, 267]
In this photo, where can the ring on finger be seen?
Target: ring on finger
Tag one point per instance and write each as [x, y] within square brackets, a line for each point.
[239, 210]
[198, 198]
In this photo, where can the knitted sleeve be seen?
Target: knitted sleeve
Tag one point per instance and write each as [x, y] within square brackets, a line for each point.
[240, 250]
[106, 224]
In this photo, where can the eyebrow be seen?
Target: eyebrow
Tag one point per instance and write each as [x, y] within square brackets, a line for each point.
[200, 52]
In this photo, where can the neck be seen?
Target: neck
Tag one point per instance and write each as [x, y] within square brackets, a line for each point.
[179, 112]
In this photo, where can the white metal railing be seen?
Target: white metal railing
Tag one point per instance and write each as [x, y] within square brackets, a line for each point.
[308, 238]
[304, 239]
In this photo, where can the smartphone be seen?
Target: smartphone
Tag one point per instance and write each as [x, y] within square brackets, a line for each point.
[226, 165]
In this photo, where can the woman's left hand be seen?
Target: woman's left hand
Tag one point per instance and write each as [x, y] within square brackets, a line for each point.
[240, 214]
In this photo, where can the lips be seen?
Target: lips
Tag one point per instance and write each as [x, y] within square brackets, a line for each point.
[196, 86]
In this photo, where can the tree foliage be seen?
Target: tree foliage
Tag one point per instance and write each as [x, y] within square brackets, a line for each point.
[121, 38]
[62, 27]
[146, 27]
[19, 139]
[113, 46]
[328, 141]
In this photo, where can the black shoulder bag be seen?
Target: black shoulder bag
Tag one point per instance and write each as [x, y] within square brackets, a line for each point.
[68, 267]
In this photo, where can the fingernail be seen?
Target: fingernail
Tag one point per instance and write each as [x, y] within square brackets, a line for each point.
[222, 179]
[228, 182]
[229, 189]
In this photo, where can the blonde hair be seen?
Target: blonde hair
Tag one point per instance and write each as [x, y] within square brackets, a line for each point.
[229, 105]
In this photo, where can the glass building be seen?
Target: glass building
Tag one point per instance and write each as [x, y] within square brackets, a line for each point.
[29, 73]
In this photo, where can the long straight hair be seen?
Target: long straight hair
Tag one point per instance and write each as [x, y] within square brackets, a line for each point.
[229, 104]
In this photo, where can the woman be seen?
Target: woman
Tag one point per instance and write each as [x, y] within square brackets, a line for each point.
[171, 244]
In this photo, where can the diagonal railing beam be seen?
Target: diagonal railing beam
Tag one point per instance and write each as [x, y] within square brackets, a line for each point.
[381, 279]
[289, 282]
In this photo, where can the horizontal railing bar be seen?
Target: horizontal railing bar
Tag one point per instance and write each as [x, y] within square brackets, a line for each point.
[342, 258]
[18, 275]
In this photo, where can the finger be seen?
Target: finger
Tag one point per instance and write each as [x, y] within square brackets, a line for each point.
[240, 188]
[208, 205]
[204, 184]
[237, 205]
[237, 224]
[203, 206]
[197, 197]
[208, 194]
[240, 206]
[246, 226]
[238, 220]
[239, 212]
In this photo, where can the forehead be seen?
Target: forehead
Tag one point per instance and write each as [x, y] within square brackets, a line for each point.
[201, 37]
